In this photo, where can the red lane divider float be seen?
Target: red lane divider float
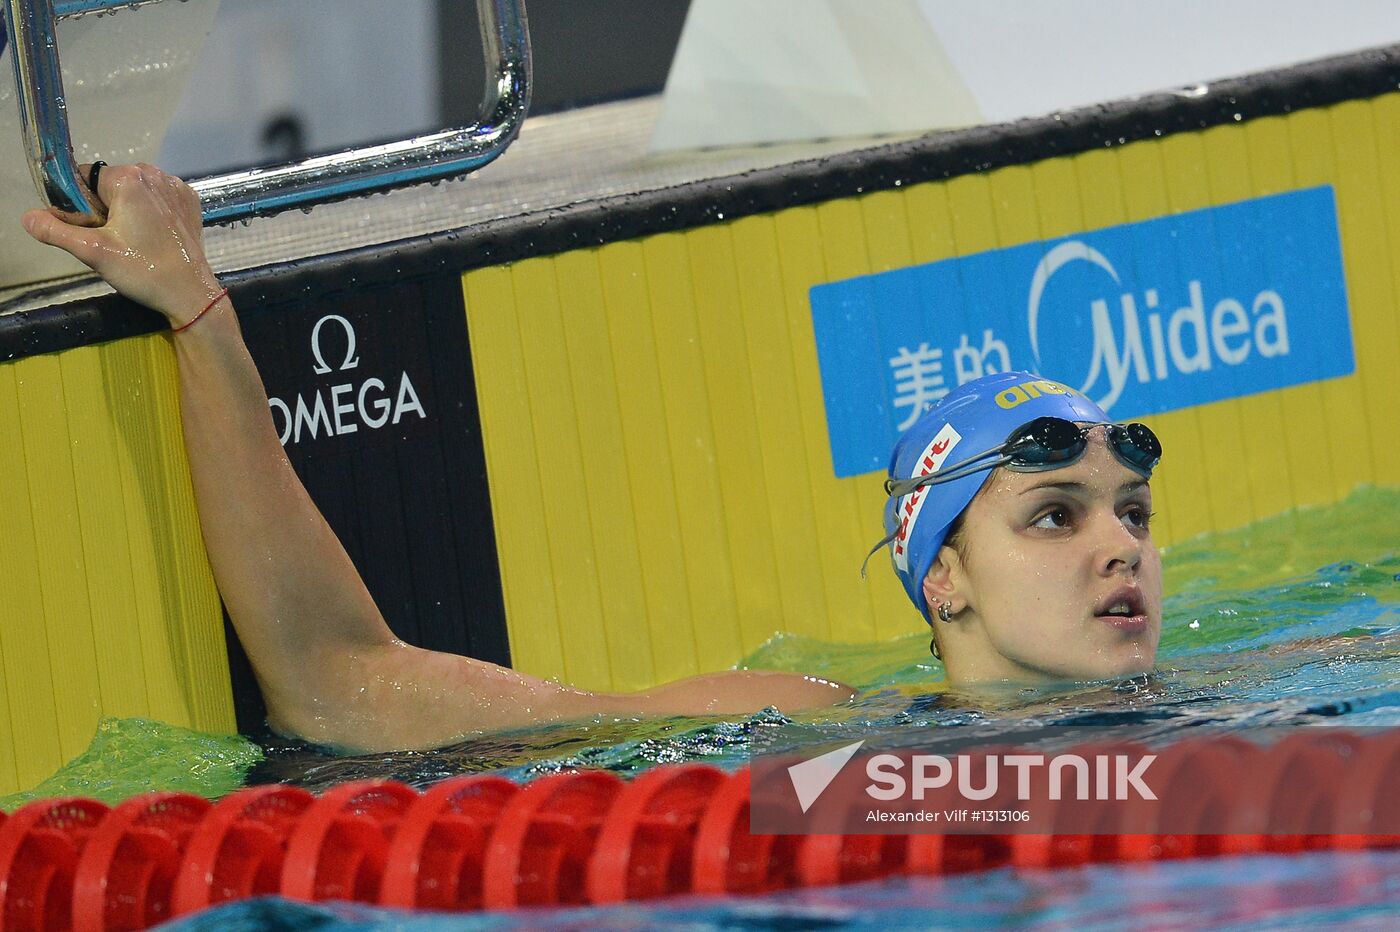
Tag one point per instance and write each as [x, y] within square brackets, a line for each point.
[128, 866]
[39, 849]
[644, 848]
[238, 849]
[1367, 796]
[589, 837]
[340, 844]
[539, 850]
[1199, 780]
[727, 858]
[438, 856]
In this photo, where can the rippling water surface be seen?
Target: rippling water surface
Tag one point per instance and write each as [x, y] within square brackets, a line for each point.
[1334, 890]
[1295, 619]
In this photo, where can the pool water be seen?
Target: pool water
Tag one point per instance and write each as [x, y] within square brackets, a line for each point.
[1333, 890]
[128, 756]
[1294, 619]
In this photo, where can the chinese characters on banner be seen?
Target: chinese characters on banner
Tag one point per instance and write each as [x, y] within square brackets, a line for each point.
[1145, 317]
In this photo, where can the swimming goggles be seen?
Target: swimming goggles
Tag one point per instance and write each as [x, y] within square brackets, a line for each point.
[1047, 443]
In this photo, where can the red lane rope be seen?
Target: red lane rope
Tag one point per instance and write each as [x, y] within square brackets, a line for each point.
[589, 837]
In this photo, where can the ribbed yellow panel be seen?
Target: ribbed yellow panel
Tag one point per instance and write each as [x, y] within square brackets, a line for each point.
[656, 437]
[1368, 404]
[845, 253]
[782, 484]
[600, 435]
[1382, 210]
[518, 501]
[828, 507]
[109, 607]
[690, 427]
[659, 554]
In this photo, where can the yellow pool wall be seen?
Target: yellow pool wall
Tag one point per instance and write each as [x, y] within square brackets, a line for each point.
[656, 439]
[109, 606]
[656, 443]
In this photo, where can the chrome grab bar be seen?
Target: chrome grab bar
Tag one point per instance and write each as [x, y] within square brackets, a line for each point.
[262, 191]
[65, 8]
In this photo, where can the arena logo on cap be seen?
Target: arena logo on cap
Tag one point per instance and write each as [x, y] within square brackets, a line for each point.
[1142, 318]
[929, 462]
[1025, 391]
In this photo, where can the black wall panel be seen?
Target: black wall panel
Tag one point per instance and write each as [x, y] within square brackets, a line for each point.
[373, 394]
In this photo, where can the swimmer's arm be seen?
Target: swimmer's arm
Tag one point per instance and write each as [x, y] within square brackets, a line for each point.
[296, 600]
[329, 667]
[408, 697]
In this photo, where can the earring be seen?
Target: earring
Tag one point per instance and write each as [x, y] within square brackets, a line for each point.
[933, 649]
[945, 611]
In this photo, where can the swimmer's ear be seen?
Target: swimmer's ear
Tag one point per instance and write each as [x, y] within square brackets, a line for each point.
[945, 580]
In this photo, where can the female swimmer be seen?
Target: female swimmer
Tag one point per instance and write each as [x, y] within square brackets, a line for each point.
[329, 667]
[1019, 518]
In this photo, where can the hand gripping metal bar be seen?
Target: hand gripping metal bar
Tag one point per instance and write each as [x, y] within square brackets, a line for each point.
[263, 191]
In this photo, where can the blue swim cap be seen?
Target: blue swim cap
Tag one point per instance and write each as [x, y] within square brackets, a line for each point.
[970, 420]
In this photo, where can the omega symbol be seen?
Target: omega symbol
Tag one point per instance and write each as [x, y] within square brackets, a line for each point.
[351, 360]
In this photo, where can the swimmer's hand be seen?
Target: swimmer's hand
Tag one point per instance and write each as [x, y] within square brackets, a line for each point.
[329, 667]
[151, 249]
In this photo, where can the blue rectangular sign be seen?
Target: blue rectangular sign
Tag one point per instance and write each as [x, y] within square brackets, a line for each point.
[1143, 318]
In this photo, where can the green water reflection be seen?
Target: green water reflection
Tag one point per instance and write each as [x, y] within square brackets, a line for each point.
[1294, 616]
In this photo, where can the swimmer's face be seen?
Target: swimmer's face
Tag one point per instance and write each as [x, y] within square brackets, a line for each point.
[1060, 580]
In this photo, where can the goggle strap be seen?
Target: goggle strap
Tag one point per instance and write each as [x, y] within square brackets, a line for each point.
[962, 470]
[888, 538]
[1118, 436]
[970, 465]
[966, 468]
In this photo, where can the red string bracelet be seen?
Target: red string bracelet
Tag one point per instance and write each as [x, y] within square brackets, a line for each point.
[207, 308]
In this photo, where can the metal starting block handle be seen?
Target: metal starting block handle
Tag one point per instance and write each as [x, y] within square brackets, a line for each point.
[263, 191]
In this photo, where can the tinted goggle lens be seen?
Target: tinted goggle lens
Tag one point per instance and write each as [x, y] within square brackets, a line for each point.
[1045, 443]
[1050, 442]
[1136, 445]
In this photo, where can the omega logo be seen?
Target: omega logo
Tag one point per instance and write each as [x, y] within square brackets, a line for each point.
[351, 360]
[343, 408]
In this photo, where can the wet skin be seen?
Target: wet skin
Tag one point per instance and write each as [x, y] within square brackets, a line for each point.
[330, 669]
[1047, 557]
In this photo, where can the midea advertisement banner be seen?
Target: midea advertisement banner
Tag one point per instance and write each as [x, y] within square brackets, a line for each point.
[1143, 318]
